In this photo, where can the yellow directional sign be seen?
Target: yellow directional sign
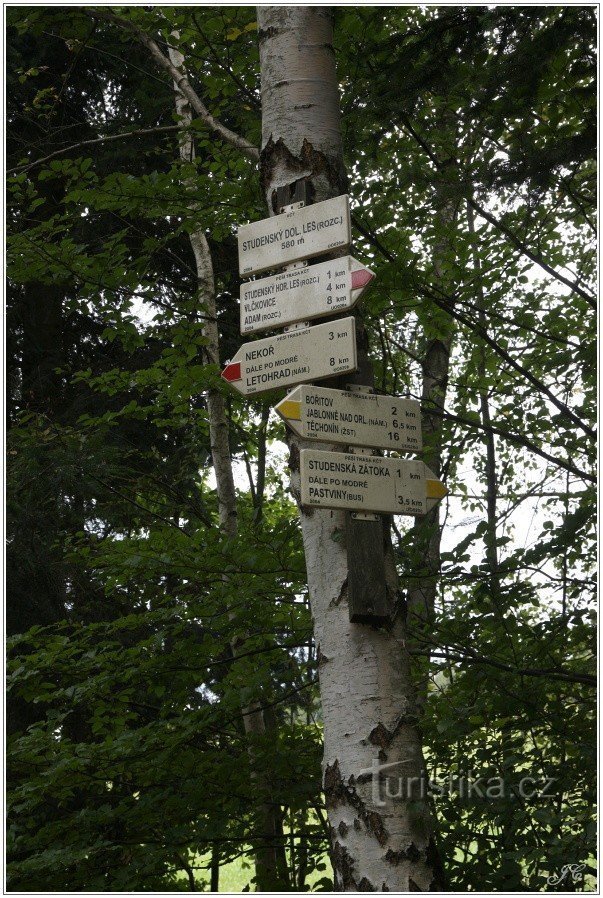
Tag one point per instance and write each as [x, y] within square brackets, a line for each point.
[353, 419]
[368, 483]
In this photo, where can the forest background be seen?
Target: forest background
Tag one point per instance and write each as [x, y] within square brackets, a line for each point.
[137, 628]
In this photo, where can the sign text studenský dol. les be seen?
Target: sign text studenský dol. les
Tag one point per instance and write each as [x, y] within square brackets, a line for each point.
[283, 239]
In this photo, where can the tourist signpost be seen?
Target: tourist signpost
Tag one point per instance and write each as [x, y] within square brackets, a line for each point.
[356, 481]
[302, 294]
[287, 359]
[301, 234]
[353, 419]
[368, 483]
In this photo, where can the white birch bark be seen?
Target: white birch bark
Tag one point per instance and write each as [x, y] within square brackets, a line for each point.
[379, 843]
[216, 413]
[267, 873]
[301, 128]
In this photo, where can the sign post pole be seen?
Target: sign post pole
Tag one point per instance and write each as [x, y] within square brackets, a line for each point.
[368, 598]
[366, 486]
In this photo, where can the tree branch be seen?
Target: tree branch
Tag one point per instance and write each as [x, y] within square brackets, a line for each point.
[181, 81]
[495, 222]
[513, 438]
[465, 655]
[446, 306]
[518, 244]
[86, 143]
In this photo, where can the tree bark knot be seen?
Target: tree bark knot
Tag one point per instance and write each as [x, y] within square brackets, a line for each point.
[265, 33]
[321, 659]
[337, 793]
[429, 856]
[343, 865]
[342, 594]
[293, 457]
[411, 853]
[380, 736]
[432, 346]
[383, 737]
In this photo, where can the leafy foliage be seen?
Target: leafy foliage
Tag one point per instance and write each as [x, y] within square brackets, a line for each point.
[128, 765]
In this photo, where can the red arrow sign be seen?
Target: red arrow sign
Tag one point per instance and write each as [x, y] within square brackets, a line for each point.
[232, 372]
[315, 291]
[361, 278]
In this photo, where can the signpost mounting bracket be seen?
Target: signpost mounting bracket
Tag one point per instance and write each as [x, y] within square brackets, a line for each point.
[368, 600]
[293, 207]
[293, 196]
[300, 193]
[360, 450]
[299, 325]
[363, 515]
[359, 388]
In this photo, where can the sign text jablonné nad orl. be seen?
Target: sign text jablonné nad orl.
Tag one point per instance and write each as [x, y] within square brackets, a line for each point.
[353, 419]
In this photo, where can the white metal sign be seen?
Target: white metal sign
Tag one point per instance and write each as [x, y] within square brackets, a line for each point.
[287, 359]
[301, 234]
[353, 419]
[305, 293]
[367, 483]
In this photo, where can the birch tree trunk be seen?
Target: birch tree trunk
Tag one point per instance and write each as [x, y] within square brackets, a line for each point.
[270, 861]
[381, 840]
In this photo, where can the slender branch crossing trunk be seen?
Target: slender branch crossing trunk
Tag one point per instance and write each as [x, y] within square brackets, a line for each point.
[436, 366]
[269, 851]
[508, 828]
[491, 478]
[381, 840]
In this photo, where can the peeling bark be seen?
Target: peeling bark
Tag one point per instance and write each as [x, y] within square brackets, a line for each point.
[299, 86]
[368, 699]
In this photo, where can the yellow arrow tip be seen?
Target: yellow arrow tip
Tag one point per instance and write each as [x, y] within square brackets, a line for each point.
[435, 489]
[288, 408]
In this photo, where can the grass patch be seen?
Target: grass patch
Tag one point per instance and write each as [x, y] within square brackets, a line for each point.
[236, 876]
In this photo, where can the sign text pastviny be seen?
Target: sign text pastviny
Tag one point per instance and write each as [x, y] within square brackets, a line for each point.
[353, 419]
[292, 236]
[367, 483]
[291, 358]
[328, 288]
